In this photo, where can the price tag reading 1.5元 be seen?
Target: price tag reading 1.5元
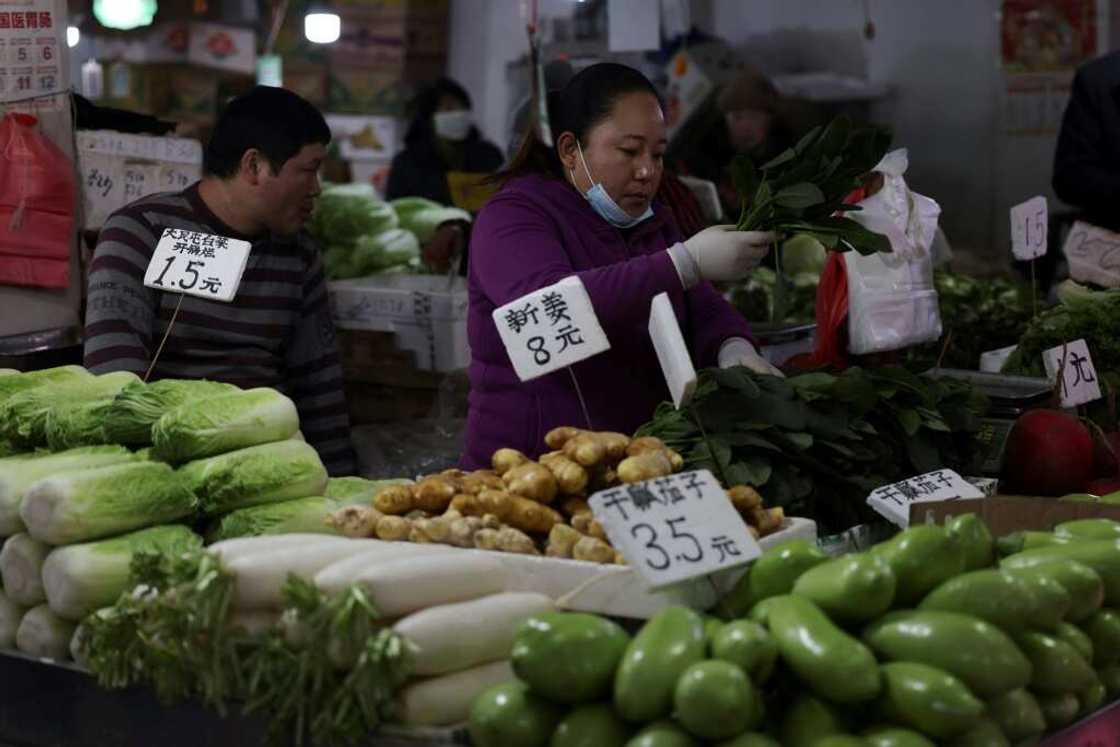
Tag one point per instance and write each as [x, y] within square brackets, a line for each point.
[1028, 229]
[550, 329]
[199, 264]
[674, 528]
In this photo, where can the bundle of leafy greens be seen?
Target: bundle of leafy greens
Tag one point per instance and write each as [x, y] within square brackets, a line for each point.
[976, 316]
[173, 632]
[817, 444]
[801, 189]
[139, 406]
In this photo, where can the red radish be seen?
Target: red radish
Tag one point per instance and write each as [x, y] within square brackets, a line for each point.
[1104, 452]
[1104, 486]
[1048, 453]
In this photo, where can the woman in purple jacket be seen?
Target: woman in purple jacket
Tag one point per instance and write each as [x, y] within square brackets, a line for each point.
[584, 208]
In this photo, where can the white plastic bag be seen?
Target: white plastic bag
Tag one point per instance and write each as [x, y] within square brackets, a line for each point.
[892, 302]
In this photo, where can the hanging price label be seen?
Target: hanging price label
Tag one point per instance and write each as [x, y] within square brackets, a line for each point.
[198, 264]
[550, 329]
[1028, 229]
[1079, 377]
[893, 502]
[675, 528]
[1093, 254]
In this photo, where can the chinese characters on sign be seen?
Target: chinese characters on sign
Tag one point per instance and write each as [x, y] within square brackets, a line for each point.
[199, 264]
[550, 328]
[675, 528]
[1079, 378]
[894, 501]
[1093, 254]
[1028, 229]
[30, 37]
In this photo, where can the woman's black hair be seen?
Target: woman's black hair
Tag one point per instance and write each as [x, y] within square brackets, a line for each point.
[421, 130]
[582, 104]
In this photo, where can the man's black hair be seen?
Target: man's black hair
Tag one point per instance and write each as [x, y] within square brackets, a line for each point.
[275, 121]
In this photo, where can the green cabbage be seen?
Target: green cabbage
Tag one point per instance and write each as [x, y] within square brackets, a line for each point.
[348, 490]
[803, 254]
[306, 515]
[20, 472]
[80, 579]
[24, 415]
[346, 212]
[94, 503]
[10, 385]
[270, 473]
[373, 254]
[224, 423]
[138, 406]
[338, 263]
[424, 222]
[75, 424]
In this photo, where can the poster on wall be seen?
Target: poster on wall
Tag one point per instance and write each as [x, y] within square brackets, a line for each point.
[1047, 35]
[224, 47]
[31, 61]
[1035, 103]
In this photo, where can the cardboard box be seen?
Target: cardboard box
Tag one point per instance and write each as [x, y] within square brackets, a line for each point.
[1004, 514]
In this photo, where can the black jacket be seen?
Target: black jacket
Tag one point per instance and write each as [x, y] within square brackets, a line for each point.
[1087, 161]
[419, 170]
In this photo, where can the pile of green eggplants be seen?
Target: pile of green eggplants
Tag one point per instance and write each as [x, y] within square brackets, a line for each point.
[940, 635]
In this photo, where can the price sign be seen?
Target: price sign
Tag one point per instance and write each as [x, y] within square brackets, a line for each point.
[1079, 378]
[992, 361]
[675, 528]
[672, 353]
[199, 264]
[550, 329]
[1093, 254]
[893, 502]
[1028, 229]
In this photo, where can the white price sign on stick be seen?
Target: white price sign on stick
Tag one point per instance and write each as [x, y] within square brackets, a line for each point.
[674, 528]
[1028, 229]
[198, 264]
[1079, 378]
[550, 329]
[893, 501]
[1093, 254]
[672, 352]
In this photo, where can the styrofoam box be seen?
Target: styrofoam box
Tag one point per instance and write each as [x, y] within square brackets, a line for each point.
[426, 313]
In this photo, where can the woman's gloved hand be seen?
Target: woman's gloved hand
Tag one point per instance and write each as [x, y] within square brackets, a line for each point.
[736, 351]
[719, 253]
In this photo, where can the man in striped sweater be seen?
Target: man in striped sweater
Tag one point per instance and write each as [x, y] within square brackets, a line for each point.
[259, 185]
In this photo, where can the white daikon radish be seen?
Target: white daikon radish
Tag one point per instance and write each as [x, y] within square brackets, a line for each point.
[260, 577]
[10, 616]
[446, 700]
[232, 549]
[338, 576]
[21, 566]
[452, 637]
[401, 587]
[43, 633]
[254, 621]
[76, 646]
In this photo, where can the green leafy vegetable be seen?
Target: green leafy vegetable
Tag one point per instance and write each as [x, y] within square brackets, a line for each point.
[308, 515]
[24, 415]
[12, 384]
[269, 473]
[346, 212]
[136, 409]
[224, 423]
[380, 252]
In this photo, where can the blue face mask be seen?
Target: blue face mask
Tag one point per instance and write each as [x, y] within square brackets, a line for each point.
[604, 205]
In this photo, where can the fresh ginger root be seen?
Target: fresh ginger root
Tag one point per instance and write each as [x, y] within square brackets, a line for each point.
[504, 460]
[767, 521]
[394, 500]
[586, 524]
[646, 444]
[514, 540]
[436, 530]
[462, 531]
[571, 478]
[520, 513]
[593, 550]
[433, 494]
[355, 521]
[557, 437]
[574, 506]
[393, 528]
[479, 480]
[533, 481]
[645, 466]
[562, 540]
[744, 498]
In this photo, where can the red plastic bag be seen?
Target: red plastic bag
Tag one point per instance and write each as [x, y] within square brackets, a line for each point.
[37, 189]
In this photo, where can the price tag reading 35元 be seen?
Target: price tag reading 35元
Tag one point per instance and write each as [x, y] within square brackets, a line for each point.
[675, 528]
[549, 329]
[198, 264]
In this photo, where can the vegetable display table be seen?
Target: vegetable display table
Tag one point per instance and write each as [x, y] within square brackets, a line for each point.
[48, 704]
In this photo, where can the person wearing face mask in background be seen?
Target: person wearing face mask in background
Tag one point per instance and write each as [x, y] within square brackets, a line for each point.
[441, 139]
[585, 208]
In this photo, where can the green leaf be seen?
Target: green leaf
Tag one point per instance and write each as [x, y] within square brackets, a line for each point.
[803, 441]
[753, 471]
[799, 196]
[910, 421]
[744, 176]
[738, 378]
[808, 139]
[785, 156]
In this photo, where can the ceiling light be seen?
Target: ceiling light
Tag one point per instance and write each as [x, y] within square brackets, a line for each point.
[124, 14]
[322, 27]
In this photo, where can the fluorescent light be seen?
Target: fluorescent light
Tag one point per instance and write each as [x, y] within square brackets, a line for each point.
[73, 36]
[124, 14]
[322, 28]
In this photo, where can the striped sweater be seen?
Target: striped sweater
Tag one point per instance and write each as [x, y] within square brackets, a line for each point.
[277, 332]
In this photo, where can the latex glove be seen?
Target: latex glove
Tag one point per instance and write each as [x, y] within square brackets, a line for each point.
[736, 351]
[719, 253]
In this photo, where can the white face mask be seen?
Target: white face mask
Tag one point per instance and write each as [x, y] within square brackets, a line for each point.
[453, 125]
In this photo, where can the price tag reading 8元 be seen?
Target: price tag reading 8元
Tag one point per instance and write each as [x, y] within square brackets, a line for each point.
[198, 264]
[675, 528]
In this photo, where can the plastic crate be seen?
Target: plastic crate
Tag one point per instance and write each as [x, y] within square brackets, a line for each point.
[427, 315]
